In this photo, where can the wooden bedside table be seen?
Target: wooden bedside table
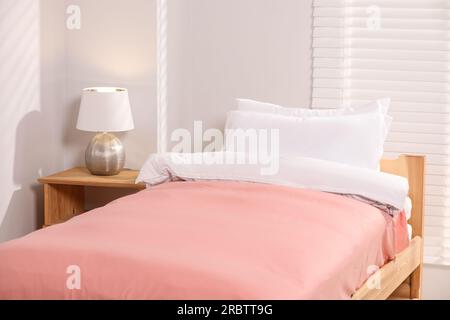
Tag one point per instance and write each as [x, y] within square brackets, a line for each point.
[64, 192]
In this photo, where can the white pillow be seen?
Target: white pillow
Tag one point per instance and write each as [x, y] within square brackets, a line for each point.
[380, 105]
[355, 140]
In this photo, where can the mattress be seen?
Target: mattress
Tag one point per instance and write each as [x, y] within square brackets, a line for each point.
[207, 240]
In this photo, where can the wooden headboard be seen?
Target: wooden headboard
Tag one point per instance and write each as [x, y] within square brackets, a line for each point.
[412, 168]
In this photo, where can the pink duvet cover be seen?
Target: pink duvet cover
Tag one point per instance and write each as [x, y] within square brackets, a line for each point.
[206, 240]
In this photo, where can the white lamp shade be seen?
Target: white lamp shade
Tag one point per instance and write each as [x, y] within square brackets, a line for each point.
[105, 110]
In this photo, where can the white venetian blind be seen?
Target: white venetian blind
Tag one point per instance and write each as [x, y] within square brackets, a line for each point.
[370, 49]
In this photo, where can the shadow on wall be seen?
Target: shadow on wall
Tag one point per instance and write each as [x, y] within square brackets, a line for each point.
[32, 156]
[29, 128]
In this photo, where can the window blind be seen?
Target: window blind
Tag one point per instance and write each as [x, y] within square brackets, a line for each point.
[369, 49]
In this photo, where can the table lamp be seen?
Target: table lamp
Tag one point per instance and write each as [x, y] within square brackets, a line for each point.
[105, 110]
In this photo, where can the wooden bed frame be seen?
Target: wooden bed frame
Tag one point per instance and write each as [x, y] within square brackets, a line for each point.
[401, 279]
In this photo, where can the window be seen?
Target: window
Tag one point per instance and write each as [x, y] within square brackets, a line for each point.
[369, 49]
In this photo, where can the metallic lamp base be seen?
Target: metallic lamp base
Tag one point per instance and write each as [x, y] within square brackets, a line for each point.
[105, 155]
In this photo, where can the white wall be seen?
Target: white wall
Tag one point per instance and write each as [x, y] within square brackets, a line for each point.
[436, 283]
[221, 50]
[29, 133]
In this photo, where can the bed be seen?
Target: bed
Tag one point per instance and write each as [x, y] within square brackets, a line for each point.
[149, 246]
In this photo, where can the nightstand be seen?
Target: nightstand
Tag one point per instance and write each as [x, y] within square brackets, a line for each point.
[64, 192]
